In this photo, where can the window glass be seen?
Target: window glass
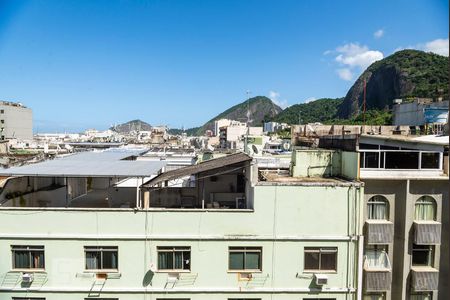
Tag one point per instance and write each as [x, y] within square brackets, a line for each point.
[101, 257]
[371, 160]
[324, 259]
[402, 160]
[245, 258]
[422, 255]
[28, 257]
[174, 258]
[373, 297]
[421, 296]
[375, 257]
[425, 209]
[430, 161]
[377, 208]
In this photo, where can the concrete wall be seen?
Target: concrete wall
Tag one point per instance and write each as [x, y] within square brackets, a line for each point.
[325, 163]
[411, 114]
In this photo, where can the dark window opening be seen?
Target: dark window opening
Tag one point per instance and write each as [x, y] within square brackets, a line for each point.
[430, 161]
[402, 160]
[324, 259]
[422, 255]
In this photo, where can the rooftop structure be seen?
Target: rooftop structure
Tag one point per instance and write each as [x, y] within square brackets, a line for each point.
[16, 121]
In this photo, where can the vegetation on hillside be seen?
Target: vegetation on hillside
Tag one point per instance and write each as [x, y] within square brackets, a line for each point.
[372, 117]
[320, 110]
[428, 72]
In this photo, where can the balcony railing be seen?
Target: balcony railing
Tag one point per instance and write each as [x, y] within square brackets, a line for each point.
[427, 232]
[379, 232]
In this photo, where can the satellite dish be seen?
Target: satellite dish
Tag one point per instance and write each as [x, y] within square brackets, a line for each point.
[255, 150]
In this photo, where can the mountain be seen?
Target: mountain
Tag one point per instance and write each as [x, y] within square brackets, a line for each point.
[131, 126]
[404, 74]
[261, 108]
[320, 110]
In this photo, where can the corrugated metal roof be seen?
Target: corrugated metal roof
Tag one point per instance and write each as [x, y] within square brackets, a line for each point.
[201, 167]
[90, 164]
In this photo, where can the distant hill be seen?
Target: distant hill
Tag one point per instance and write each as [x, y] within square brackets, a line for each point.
[131, 126]
[406, 73]
[261, 108]
[320, 110]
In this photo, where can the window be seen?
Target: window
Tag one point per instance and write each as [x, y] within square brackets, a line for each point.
[2, 121]
[376, 257]
[422, 255]
[430, 160]
[402, 160]
[425, 209]
[377, 208]
[2, 111]
[174, 258]
[373, 296]
[101, 257]
[323, 259]
[421, 296]
[28, 257]
[245, 258]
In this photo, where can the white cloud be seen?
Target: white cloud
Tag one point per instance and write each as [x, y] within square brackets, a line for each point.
[345, 74]
[438, 46]
[378, 34]
[310, 99]
[354, 55]
[275, 97]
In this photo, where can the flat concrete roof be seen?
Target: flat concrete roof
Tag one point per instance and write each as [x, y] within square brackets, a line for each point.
[107, 163]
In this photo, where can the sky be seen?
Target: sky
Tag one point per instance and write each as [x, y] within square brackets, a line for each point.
[91, 64]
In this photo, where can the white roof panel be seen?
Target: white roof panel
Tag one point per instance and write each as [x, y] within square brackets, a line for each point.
[90, 164]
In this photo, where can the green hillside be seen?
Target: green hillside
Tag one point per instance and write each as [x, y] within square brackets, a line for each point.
[320, 110]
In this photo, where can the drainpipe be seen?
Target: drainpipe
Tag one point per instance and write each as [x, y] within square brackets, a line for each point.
[360, 267]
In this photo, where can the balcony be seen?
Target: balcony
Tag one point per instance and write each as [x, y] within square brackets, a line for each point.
[379, 232]
[377, 272]
[427, 232]
[424, 279]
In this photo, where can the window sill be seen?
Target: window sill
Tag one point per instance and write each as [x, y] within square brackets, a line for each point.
[173, 271]
[102, 271]
[28, 270]
[245, 271]
[320, 271]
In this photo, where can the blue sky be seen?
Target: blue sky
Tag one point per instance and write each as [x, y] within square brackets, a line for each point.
[82, 64]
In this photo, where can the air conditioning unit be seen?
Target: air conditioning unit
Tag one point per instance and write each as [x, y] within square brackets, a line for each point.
[321, 279]
[27, 278]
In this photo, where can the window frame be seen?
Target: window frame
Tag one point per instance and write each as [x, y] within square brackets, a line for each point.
[101, 249]
[29, 249]
[320, 250]
[173, 250]
[373, 201]
[245, 250]
[421, 248]
[423, 201]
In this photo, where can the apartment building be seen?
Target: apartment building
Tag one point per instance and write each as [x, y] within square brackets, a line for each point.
[406, 227]
[16, 121]
[221, 229]
[406, 199]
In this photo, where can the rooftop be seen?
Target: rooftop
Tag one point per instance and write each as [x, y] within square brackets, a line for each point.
[107, 163]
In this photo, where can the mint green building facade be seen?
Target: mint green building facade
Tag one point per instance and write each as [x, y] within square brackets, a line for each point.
[286, 221]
